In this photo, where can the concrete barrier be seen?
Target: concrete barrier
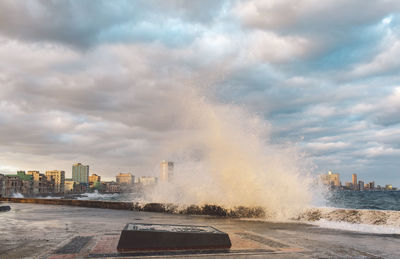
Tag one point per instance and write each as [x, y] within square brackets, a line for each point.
[210, 210]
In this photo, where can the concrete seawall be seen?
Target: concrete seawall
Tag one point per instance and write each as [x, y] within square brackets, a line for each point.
[210, 210]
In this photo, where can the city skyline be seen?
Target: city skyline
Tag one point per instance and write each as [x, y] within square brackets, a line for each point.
[129, 84]
[165, 166]
[333, 179]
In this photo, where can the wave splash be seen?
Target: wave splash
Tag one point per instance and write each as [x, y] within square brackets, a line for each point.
[372, 221]
[225, 156]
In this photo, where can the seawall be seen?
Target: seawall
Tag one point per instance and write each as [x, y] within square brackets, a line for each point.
[210, 210]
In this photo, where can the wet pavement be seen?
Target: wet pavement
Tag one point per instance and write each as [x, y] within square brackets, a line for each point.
[53, 231]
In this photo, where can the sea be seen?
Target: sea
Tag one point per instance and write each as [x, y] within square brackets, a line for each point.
[370, 200]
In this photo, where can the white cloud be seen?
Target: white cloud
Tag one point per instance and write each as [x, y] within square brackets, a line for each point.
[270, 47]
[384, 62]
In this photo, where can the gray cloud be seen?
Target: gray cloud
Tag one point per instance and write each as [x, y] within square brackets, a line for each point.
[85, 23]
[113, 83]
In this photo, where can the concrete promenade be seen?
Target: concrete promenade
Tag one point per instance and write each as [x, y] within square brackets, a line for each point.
[50, 231]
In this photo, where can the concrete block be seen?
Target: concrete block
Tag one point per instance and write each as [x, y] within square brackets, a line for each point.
[144, 237]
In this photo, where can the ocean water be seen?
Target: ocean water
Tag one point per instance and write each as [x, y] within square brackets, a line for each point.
[360, 211]
[371, 200]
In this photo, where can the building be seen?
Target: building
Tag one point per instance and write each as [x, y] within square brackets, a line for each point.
[2, 185]
[147, 180]
[94, 179]
[44, 186]
[354, 181]
[69, 185]
[361, 185]
[58, 179]
[80, 173]
[27, 183]
[388, 187]
[330, 179]
[112, 187]
[371, 185]
[125, 179]
[18, 183]
[349, 185]
[81, 188]
[40, 183]
[13, 184]
[166, 171]
[35, 175]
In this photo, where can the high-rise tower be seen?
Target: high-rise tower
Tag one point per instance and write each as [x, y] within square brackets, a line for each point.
[355, 183]
[80, 173]
[167, 171]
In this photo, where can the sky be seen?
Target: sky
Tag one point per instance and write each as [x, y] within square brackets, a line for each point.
[105, 82]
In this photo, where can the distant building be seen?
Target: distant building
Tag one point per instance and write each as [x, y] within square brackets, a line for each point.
[371, 185]
[361, 185]
[388, 187]
[81, 187]
[147, 180]
[330, 179]
[112, 187]
[2, 185]
[40, 183]
[349, 185]
[355, 183]
[80, 173]
[44, 185]
[13, 184]
[19, 183]
[58, 179]
[166, 171]
[23, 176]
[125, 179]
[35, 175]
[93, 179]
[69, 185]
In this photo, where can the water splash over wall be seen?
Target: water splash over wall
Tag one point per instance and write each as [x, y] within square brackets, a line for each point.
[225, 157]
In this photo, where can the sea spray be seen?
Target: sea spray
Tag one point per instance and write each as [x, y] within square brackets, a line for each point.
[225, 157]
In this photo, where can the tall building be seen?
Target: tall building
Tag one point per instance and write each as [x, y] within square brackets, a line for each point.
[58, 177]
[330, 179]
[125, 178]
[355, 183]
[80, 173]
[167, 171]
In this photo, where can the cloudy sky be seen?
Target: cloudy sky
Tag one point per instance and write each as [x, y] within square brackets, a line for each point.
[106, 83]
